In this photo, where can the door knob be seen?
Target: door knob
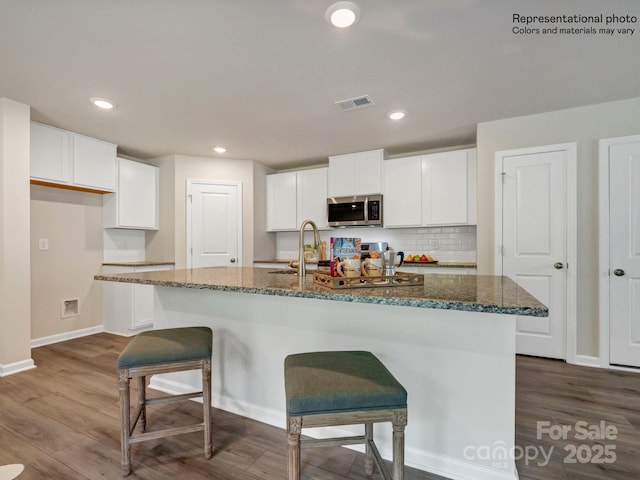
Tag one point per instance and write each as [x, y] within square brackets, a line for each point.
[618, 272]
[558, 265]
[232, 260]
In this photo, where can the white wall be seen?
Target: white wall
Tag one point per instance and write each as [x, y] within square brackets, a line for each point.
[264, 247]
[585, 125]
[15, 274]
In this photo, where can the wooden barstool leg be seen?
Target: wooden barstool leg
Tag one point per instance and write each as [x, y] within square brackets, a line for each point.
[399, 422]
[294, 428]
[368, 438]
[206, 406]
[142, 402]
[125, 423]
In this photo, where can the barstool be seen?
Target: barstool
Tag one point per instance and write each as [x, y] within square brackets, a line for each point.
[163, 351]
[343, 388]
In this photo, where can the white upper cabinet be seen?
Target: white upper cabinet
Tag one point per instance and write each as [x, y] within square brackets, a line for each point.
[402, 192]
[293, 197]
[59, 157]
[281, 201]
[448, 188]
[355, 173]
[135, 203]
[431, 190]
[50, 154]
[312, 196]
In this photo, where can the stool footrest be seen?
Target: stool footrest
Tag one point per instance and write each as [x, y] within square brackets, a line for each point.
[332, 442]
[142, 437]
[172, 398]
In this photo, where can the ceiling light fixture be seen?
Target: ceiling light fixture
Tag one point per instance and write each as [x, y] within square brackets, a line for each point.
[343, 14]
[219, 149]
[397, 114]
[103, 103]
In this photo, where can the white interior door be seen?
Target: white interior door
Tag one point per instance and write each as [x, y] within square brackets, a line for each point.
[214, 224]
[624, 254]
[533, 247]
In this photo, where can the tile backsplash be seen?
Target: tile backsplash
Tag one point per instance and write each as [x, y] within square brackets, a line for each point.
[446, 244]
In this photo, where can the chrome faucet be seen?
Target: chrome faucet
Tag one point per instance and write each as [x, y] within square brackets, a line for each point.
[301, 262]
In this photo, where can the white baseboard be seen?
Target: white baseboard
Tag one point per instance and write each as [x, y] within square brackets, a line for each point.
[16, 367]
[449, 467]
[61, 337]
[588, 361]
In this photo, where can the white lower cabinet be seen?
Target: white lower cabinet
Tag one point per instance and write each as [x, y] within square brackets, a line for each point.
[127, 308]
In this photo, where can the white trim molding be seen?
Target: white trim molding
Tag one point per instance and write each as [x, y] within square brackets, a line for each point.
[61, 337]
[16, 367]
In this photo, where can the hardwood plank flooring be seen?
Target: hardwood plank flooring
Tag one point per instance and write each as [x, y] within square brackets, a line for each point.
[61, 420]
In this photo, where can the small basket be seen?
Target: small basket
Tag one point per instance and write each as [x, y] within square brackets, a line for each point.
[400, 279]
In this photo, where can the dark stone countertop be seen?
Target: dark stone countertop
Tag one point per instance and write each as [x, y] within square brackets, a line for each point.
[472, 293]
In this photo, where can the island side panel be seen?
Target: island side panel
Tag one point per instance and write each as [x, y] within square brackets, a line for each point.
[458, 367]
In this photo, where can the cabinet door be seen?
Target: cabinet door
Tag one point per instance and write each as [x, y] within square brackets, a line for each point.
[94, 163]
[282, 201]
[368, 172]
[137, 195]
[445, 188]
[312, 196]
[341, 177]
[50, 154]
[402, 192]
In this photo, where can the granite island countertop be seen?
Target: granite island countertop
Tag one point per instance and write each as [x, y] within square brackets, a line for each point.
[473, 293]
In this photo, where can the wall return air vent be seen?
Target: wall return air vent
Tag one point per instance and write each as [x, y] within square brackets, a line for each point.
[354, 103]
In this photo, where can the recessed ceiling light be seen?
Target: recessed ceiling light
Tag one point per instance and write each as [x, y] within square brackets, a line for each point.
[219, 149]
[397, 114]
[103, 103]
[342, 14]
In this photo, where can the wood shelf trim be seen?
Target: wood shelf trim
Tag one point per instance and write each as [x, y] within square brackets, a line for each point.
[68, 187]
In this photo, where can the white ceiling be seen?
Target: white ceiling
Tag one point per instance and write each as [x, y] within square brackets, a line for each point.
[260, 76]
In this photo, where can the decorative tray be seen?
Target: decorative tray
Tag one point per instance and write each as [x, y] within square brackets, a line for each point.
[400, 279]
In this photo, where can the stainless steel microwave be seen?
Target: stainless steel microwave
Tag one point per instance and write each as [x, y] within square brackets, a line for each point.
[357, 211]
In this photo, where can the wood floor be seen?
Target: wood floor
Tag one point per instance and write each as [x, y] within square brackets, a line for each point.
[61, 421]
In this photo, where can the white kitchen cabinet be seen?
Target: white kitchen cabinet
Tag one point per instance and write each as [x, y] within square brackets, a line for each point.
[402, 192]
[134, 205]
[292, 197]
[127, 308]
[449, 188]
[312, 197]
[50, 154]
[63, 158]
[282, 201]
[357, 173]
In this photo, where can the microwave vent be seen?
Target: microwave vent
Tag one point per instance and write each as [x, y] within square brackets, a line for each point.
[354, 103]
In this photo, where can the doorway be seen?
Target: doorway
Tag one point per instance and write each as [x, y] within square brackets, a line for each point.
[620, 251]
[536, 242]
[214, 224]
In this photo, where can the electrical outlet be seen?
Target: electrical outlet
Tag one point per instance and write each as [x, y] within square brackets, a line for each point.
[43, 244]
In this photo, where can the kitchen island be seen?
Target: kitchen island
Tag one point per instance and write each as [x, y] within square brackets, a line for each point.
[450, 342]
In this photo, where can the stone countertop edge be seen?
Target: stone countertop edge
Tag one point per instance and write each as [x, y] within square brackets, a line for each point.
[397, 296]
[141, 263]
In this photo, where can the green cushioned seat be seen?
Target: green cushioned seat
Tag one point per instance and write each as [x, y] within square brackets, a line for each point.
[342, 381]
[156, 347]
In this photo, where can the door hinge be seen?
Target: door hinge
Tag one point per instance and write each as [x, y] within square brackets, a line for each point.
[501, 251]
[190, 197]
[503, 175]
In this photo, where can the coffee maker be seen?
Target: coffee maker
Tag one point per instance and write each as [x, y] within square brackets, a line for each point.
[367, 248]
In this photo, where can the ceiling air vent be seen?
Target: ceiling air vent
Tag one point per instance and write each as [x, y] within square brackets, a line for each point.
[354, 103]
